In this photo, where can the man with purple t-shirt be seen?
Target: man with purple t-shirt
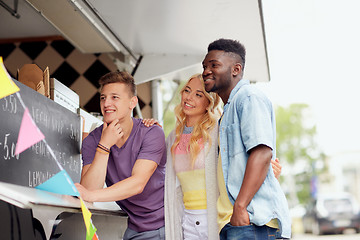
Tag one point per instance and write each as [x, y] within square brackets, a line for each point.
[129, 157]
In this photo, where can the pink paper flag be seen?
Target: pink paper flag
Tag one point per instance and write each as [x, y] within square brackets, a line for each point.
[29, 133]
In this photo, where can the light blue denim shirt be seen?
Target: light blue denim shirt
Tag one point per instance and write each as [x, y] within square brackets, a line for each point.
[248, 121]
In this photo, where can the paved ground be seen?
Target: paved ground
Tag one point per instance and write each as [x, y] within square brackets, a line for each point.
[350, 235]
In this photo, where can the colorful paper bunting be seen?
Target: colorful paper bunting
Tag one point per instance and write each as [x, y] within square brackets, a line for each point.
[91, 233]
[95, 237]
[60, 183]
[86, 215]
[29, 133]
[90, 228]
[8, 87]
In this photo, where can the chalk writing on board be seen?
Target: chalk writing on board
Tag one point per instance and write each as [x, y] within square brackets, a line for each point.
[36, 164]
[10, 104]
[75, 135]
[8, 148]
[38, 177]
[53, 123]
[63, 158]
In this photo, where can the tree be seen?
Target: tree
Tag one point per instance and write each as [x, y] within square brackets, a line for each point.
[172, 89]
[297, 150]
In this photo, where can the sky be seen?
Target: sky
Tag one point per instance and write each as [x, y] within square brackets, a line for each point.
[314, 58]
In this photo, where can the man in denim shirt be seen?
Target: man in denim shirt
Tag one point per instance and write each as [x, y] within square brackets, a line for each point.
[251, 204]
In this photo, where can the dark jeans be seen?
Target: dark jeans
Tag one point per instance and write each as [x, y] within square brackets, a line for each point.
[248, 232]
[158, 234]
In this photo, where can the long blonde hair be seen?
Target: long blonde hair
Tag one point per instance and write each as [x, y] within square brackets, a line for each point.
[202, 128]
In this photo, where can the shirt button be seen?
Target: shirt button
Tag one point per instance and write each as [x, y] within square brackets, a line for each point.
[197, 223]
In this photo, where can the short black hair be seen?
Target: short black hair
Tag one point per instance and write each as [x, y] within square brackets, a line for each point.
[229, 46]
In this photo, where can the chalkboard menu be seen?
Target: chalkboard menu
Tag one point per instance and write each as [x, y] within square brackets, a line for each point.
[36, 164]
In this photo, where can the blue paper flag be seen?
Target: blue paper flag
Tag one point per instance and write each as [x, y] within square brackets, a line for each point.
[60, 183]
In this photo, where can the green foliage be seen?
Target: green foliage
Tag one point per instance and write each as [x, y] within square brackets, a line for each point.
[169, 115]
[293, 138]
[169, 121]
[295, 142]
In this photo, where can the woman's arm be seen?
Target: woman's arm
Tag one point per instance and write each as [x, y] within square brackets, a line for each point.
[276, 166]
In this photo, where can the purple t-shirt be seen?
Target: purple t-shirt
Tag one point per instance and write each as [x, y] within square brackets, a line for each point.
[145, 210]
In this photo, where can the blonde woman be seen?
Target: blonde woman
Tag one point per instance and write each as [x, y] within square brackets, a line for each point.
[191, 189]
[190, 179]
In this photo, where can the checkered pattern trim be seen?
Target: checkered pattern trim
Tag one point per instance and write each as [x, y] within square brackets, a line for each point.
[78, 71]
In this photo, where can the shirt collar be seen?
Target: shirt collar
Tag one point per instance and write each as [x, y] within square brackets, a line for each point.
[241, 83]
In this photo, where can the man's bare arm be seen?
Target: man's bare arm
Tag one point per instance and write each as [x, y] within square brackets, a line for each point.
[133, 185]
[256, 170]
[93, 175]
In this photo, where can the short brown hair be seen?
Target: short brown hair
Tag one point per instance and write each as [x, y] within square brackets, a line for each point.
[119, 77]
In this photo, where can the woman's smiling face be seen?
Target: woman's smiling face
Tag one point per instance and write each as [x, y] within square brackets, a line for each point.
[193, 100]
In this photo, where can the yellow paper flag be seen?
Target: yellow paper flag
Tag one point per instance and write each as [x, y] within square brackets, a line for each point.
[86, 215]
[8, 87]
